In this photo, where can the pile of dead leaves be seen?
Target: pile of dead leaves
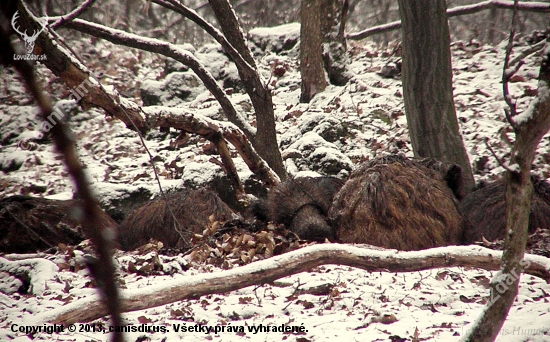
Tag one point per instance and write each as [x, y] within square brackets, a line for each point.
[224, 245]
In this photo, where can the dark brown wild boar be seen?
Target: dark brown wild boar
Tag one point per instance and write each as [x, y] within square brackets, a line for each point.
[153, 220]
[450, 173]
[396, 202]
[484, 210]
[30, 224]
[302, 205]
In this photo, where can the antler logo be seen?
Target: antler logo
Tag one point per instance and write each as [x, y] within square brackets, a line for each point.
[29, 40]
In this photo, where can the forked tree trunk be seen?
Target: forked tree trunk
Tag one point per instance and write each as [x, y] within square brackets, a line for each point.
[265, 141]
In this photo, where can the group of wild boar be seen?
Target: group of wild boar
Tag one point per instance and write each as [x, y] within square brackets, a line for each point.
[392, 202]
[399, 203]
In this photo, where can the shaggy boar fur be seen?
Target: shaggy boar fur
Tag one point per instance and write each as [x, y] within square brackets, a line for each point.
[154, 220]
[484, 210]
[302, 205]
[29, 224]
[450, 173]
[396, 202]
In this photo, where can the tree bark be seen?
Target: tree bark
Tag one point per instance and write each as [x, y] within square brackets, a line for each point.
[373, 259]
[311, 52]
[333, 25]
[530, 127]
[265, 140]
[231, 28]
[427, 85]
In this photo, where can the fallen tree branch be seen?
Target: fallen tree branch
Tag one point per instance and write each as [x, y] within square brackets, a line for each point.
[458, 11]
[284, 265]
[180, 119]
[169, 50]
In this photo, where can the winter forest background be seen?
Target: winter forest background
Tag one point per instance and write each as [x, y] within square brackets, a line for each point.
[239, 116]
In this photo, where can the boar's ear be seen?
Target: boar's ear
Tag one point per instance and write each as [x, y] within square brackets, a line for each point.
[541, 187]
[259, 210]
[451, 173]
[454, 180]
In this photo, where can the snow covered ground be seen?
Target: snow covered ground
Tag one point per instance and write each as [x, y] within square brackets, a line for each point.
[338, 129]
[329, 302]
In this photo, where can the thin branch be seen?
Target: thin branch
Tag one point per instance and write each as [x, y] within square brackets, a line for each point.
[172, 51]
[532, 125]
[235, 56]
[499, 161]
[532, 49]
[178, 227]
[180, 119]
[73, 14]
[301, 260]
[458, 11]
[508, 72]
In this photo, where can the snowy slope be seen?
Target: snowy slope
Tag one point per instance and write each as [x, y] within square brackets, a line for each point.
[342, 127]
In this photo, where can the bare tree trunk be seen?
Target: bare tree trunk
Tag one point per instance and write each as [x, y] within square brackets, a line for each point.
[333, 24]
[427, 85]
[311, 61]
[530, 127]
[265, 141]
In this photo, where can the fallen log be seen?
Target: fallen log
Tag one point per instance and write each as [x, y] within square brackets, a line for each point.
[284, 265]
